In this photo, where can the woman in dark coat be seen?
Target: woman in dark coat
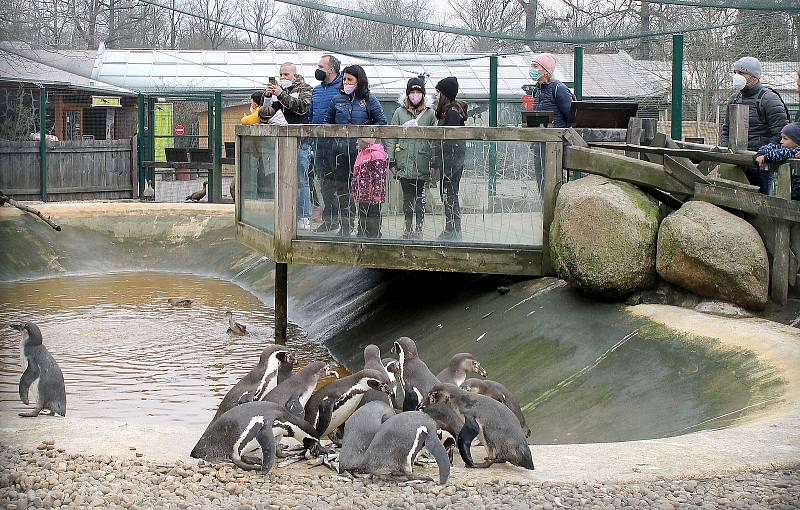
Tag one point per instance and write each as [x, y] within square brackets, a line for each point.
[353, 105]
[450, 159]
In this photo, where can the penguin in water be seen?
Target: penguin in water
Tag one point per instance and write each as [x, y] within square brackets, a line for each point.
[372, 360]
[500, 393]
[41, 368]
[489, 420]
[245, 428]
[294, 392]
[234, 328]
[336, 401]
[460, 364]
[274, 365]
[360, 429]
[415, 376]
[398, 442]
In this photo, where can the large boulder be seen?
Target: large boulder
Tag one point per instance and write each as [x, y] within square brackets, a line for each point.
[713, 253]
[603, 237]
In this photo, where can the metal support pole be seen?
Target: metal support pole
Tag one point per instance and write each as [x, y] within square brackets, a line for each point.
[151, 140]
[577, 72]
[281, 302]
[493, 65]
[677, 87]
[140, 141]
[215, 182]
[43, 143]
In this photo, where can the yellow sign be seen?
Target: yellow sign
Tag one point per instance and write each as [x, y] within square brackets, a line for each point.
[106, 101]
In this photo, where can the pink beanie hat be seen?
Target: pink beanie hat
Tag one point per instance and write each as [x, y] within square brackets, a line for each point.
[546, 60]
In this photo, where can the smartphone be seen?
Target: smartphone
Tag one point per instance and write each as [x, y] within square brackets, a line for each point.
[273, 80]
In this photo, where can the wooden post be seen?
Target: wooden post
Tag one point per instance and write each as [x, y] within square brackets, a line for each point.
[649, 128]
[281, 302]
[738, 125]
[634, 135]
[553, 165]
[779, 275]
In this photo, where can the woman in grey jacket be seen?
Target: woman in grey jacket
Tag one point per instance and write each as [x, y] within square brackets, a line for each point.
[410, 158]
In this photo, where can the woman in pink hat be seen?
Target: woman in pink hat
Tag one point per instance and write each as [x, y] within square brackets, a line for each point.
[551, 95]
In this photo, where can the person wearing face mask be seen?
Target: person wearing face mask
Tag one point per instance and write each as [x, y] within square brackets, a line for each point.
[410, 159]
[550, 95]
[330, 79]
[353, 105]
[767, 114]
[292, 97]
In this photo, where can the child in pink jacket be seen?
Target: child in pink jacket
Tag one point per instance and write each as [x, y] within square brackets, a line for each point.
[369, 185]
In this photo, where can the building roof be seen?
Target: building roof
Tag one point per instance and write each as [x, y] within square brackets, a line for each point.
[606, 75]
[27, 66]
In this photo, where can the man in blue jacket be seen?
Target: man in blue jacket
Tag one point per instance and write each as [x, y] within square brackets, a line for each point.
[328, 73]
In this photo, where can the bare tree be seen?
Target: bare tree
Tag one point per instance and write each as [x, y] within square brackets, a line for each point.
[260, 16]
[499, 16]
[210, 30]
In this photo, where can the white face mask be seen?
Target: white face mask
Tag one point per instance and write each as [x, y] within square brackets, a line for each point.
[285, 84]
[415, 98]
[739, 81]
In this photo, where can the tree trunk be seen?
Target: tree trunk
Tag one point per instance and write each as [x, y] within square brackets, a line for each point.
[644, 26]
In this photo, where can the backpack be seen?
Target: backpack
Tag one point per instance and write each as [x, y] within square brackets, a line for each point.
[762, 114]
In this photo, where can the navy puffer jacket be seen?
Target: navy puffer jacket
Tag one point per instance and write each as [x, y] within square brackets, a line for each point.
[766, 122]
[348, 109]
[554, 97]
[321, 98]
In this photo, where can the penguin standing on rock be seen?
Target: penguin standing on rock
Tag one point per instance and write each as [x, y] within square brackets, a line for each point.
[500, 393]
[360, 429]
[415, 376]
[489, 420]
[372, 360]
[294, 392]
[270, 371]
[460, 364]
[41, 368]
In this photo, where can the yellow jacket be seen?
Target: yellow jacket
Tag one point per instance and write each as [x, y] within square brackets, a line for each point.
[250, 118]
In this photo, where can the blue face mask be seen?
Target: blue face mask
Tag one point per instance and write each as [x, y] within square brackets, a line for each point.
[535, 74]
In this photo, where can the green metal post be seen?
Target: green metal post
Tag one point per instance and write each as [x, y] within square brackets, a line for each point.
[151, 140]
[43, 143]
[493, 65]
[210, 143]
[577, 72]
[215, 191]
[677, 87]
[140, 141]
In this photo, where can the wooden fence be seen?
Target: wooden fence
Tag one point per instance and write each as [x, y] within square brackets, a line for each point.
[76, 170]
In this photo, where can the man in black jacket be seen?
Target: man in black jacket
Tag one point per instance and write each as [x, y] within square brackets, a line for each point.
[767, 113]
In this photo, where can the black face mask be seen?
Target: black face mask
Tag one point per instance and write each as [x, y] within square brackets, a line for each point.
[320, 75]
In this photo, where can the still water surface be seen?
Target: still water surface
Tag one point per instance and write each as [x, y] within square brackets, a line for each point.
[127, 354]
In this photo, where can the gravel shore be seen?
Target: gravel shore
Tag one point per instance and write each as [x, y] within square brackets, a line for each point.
[48, 477]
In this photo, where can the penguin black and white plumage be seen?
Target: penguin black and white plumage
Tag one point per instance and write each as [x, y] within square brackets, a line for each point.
[372, 360]
[489, 420]
[41, 368]
[398, 442]
[294, 392]
[449, 424]
[271, 370]
[497, 391]
[415, 376]
[360, 429]
[332, 404]
[234, 328]
[392, 367]
[246, 427]
[460, 364]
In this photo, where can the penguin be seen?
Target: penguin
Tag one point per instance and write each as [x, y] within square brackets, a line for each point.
[234, 328]
[488, 419]
[271, 370]
[180, 302]
[500, 393]
[360, 428]
[294, 392]
[38, 366]
[392, 367]
[372, 361]
[415, 376]
[460, 364]
[449, 424]
[398, 442]
[331, 405]
[245, 427]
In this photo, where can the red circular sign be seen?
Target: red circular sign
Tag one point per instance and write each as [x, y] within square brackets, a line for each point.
[179, 129]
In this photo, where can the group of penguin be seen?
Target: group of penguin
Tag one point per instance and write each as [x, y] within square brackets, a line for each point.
[359, 414]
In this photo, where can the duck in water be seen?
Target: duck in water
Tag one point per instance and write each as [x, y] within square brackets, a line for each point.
[180, 302]
[234, 328]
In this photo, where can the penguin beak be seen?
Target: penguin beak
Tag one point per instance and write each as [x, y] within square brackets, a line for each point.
[331, 372]
[396, 348]
[18, 327]
[480, 369]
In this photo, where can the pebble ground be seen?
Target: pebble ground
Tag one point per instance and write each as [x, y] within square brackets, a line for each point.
[48, 477]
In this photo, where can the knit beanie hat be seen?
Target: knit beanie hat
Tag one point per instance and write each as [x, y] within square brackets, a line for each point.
[749, 65]
[448, 87]
[415, 84]
[546, 60]
[792, 131]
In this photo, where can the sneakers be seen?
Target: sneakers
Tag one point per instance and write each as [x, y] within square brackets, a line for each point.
[407, 234]
[417, 234]
[326, 227]
[304, 224]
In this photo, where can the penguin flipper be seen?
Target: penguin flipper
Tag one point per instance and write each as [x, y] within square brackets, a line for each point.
[28, 378]
[435, 447]
[295, 408]
[245, 398]
[324, 415]
[468, 433]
